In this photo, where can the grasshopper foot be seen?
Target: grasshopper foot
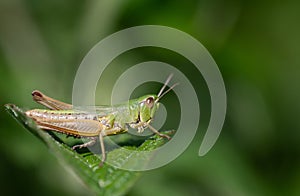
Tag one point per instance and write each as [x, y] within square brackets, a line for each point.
[158, 133]
[165, 136]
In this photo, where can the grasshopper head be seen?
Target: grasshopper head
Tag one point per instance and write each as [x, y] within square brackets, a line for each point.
[149, 104]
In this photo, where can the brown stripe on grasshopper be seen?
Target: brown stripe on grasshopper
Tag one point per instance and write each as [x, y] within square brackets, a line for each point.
[78, 128]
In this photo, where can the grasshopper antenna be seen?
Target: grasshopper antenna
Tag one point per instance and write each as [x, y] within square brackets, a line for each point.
[167, 90]
[164, 86]
[161, 92]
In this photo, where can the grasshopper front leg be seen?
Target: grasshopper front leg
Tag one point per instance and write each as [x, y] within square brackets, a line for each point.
[158, 133]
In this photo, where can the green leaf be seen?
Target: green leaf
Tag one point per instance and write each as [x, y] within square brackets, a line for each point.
[106, 180]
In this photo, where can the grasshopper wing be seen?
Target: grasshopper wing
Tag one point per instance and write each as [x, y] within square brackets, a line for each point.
[78, 127]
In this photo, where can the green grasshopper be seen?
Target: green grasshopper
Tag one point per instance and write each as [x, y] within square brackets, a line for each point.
[108, 120]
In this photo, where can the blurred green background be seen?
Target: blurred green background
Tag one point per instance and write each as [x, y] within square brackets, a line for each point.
[255, 43]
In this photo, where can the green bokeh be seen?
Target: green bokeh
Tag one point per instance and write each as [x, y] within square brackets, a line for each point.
[255, 44]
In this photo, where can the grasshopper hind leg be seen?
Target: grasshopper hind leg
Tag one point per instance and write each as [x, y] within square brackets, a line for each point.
[49, 102]
[102, 149]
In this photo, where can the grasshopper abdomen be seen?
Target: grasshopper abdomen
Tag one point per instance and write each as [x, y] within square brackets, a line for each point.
[46, 115]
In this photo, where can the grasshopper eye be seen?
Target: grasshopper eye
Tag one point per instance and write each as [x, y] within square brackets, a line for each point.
[149, 102]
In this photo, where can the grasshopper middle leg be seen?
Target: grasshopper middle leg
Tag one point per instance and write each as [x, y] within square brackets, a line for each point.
[87, 144]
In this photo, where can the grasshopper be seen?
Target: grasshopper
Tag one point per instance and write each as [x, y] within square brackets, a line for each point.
[108, 120]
